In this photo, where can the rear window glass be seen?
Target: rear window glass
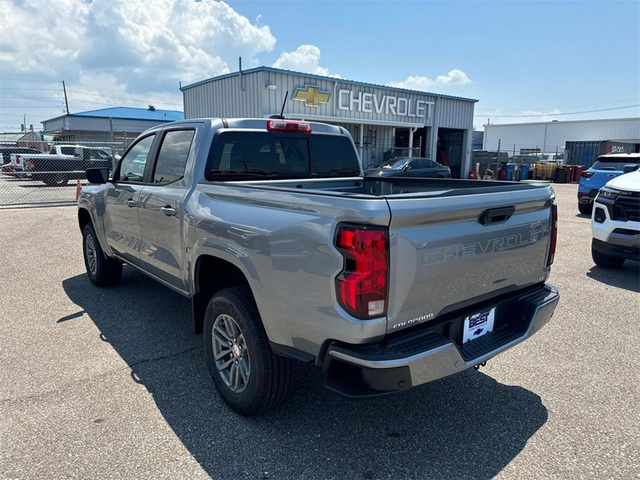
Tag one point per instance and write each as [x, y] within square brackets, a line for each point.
[65, 150]
[280, 155]
[614, 163]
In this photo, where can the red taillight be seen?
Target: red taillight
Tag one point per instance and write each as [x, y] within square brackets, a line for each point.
[587, 174]
[362, 286]
[288, 126]
[554, 234]
[32, 164]
[17, 159]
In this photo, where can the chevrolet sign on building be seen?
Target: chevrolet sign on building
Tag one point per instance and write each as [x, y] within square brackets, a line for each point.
[385, 122]
[387, 104]
[311, 96]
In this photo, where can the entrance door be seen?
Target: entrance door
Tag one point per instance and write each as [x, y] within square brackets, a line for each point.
[451, 149]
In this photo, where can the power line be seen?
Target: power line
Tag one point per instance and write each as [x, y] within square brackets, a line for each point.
[553, 113]
[31, 89]
[59, 105]
[21, 98]
[129, 99]
[102, 93]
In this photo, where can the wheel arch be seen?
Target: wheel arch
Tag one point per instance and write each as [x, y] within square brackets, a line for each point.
[212, 274]
[84, 217]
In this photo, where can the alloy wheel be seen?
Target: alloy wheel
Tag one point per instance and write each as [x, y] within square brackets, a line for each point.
[230, 353]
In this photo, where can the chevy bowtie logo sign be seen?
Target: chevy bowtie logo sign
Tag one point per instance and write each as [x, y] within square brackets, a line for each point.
[312, 96]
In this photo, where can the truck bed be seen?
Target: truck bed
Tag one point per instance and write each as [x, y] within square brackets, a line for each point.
[447, 252]
[385, 186]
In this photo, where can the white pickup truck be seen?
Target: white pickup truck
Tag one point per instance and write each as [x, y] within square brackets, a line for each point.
[615, 222]
[62, 163]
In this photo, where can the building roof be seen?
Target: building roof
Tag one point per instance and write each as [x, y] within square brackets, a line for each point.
[129, 113]
[322, 77]
[11, 137]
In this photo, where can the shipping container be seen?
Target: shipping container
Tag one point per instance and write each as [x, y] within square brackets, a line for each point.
[586, 153]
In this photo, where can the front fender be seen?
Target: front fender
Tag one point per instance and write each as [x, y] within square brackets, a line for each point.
[93, 205]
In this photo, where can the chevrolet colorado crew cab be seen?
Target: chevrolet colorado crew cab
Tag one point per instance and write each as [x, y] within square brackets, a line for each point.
[615, 222]
[288, 252]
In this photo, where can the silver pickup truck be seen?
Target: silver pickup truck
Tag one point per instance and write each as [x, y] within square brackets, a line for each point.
[289, 253]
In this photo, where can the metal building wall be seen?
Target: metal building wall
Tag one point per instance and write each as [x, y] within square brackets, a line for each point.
[260, 92]
[547, 136]
[248, 95]
[229, 96]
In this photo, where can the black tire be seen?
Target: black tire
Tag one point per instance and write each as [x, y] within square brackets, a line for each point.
[102, 271]
[56, 179]
[585, 208]
[246, 373]
[606, 261]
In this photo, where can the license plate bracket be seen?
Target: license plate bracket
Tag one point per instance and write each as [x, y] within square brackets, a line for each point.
[477, 325]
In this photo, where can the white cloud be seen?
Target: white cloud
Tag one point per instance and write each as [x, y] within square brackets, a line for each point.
[501, 117]
[38, 37]
[306, 59]
[454, 77]
[121, 48]
[171, 40]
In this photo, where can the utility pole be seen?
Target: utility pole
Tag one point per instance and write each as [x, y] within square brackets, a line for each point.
[66, 101]
[498, 159]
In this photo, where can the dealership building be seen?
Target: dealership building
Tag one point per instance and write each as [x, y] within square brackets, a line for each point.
[385, 122]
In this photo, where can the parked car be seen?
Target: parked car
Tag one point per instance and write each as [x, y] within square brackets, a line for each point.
[606, 168]
[615, 222]
[410, 166]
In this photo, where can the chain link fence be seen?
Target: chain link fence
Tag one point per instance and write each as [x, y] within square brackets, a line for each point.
[48, 173]
[523, 165]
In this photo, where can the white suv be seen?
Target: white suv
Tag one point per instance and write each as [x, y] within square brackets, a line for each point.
[615, 222]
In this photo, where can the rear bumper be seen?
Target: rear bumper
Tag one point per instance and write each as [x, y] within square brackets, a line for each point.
[621, 246]
[426, 355]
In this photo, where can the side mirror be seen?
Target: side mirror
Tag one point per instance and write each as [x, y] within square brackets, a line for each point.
[630, 168]
[97, 175]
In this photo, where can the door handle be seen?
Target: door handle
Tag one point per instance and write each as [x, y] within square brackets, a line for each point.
[168, 211]
[131, 203]
[496, 215]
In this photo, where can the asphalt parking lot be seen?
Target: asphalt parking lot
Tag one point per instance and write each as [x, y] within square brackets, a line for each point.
[111, 383]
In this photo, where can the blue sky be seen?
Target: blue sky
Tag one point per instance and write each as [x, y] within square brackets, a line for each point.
[523, 60]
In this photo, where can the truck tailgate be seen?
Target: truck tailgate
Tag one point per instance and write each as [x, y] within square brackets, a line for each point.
[450, 252]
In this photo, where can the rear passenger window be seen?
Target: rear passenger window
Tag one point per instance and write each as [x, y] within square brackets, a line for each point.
[172, 158]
